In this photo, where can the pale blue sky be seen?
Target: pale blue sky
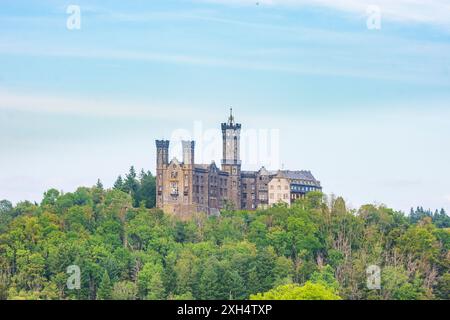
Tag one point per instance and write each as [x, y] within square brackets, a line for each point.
[367, 111]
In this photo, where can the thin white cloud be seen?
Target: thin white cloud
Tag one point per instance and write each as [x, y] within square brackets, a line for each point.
[436, 12]
[338, 66]
[48, 103]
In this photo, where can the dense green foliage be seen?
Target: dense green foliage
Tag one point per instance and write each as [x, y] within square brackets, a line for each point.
[309, 291]
[141, 190]
[317, 249]
[439, 218]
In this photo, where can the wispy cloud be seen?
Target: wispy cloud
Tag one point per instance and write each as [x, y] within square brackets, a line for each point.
[436, 12]
[58, 104]
[281, 60]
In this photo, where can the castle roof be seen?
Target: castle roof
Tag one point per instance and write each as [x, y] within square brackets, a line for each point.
[302, 175]
[208, 167]
[202, 166]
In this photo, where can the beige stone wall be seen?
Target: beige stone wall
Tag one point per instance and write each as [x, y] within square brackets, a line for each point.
[279, 191]
[174, 187]
[234, 184]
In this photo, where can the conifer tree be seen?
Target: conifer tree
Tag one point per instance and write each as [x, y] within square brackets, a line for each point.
[105, 288]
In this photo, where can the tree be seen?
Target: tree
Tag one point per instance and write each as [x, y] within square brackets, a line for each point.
[118, 185]
[156, 290]
[326, 278]
[397, 285]
[309, 291]
[4, 285]
[5, 207]
[99, 184]
[104, 291]
[209, 281]
[6, 214]
[443, 287]
[131, 186]
[50, 197]
[150, 282]
[314, 249]
[124, 290]
[147, 189]
[441, 219]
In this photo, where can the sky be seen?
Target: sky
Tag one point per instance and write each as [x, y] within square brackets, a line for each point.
[356, 91]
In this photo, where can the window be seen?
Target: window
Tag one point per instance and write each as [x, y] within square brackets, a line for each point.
[174, 188]
[272, 196]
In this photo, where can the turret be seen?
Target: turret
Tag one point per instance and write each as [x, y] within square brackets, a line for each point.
[162, 152]
[188, 152]
[231, 162]
[231, 135]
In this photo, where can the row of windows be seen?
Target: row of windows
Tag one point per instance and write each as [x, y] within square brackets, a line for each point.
[305, 182]
[272, 187]
[245, 186]
[197, 189]
[302, 188]
[244, 196]
[279, 196]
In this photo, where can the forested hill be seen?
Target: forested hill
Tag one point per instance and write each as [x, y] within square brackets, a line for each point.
[317, 249]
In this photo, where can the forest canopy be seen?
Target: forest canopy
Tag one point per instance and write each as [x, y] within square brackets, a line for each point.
[127, 249]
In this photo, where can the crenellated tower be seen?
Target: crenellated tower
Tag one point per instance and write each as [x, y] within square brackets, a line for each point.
[162, 161]
[231, 162]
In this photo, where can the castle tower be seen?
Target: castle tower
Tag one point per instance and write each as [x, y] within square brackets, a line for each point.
[162, 160]
[231, 163]
[188, 152]
[188, 170]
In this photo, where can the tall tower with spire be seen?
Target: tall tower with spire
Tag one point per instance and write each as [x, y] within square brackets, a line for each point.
[231, 162]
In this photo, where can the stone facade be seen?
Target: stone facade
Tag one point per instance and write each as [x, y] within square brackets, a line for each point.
[183, 188]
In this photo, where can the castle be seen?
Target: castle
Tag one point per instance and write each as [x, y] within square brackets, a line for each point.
[183, 188]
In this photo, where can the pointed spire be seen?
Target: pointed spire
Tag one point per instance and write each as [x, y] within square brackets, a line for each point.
[231, 118]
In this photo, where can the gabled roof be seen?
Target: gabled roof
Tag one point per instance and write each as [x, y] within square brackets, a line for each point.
[201, 166]
[300, 175]
[175, 161]
[264, 172]
[208, 167]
